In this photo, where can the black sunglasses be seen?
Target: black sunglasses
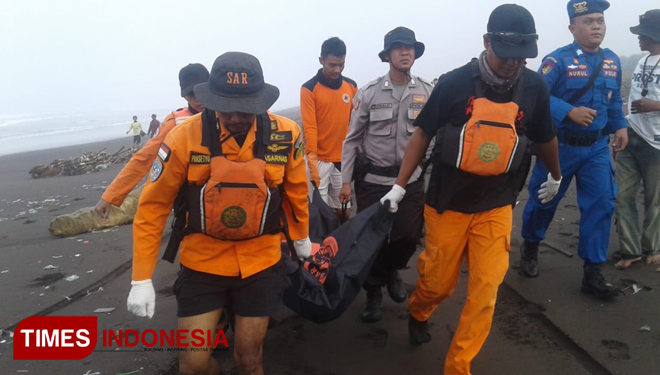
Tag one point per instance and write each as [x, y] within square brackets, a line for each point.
[515, 39]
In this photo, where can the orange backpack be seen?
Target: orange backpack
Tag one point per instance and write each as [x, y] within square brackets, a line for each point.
[488, 144]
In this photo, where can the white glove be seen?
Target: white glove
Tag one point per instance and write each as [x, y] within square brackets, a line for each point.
[303, 247]
[549, 189]
[394, 196]
[142, 298]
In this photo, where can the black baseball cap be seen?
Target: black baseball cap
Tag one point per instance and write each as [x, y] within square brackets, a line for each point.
[236, 84]
[190, 75]
[513, 32]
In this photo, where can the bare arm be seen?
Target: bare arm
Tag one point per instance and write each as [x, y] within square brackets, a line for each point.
[549, 154]
[415, 152]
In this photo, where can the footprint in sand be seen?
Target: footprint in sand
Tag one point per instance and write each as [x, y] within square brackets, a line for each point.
[616, 349]
[47, 279]
[377, 336]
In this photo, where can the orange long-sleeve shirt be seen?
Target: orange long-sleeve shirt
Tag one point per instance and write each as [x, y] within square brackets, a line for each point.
[326, 109]
[183, 158]
[141, 162]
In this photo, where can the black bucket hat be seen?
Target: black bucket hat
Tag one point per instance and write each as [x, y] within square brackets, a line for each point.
[237, 84]
[513, 32]
[649, 25]
[401, 35]
[190, 75]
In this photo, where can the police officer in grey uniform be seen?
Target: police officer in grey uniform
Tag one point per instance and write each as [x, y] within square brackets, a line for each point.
[382, 124]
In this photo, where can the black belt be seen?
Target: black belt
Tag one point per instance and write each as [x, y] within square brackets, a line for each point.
[584, 140]
[384, 171]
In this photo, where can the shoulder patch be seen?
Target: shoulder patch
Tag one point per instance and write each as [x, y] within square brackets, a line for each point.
[164, 152]
[299, 145]
[356, 103]
[196, 158]
[156, 170]
[547, 68]
[284, 136]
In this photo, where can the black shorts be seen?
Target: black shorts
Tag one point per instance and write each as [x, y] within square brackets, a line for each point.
[255, 296]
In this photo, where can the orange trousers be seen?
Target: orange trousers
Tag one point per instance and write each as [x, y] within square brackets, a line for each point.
[484, 238]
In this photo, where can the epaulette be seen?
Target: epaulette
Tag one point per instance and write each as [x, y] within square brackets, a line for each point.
[425, 81]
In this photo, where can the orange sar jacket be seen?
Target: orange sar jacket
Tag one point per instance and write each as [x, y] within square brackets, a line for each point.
[141, 162]
[183, 158]
[325, 108]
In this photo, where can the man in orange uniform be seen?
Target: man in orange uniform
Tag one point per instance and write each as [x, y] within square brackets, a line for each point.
[242, 170]
[141, 162]
[325, 106]
[482, 110]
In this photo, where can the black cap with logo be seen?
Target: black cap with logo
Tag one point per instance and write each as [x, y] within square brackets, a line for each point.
[512, 32]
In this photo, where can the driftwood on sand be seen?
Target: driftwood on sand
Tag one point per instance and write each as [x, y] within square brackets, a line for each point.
[88, 162]
[87, 219]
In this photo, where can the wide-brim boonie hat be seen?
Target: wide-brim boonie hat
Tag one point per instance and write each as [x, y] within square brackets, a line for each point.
[649, 25]
[190, 75]
[236, 84]
[401, 35]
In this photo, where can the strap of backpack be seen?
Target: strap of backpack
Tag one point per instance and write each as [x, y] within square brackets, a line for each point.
[586, 88]
[262, 139]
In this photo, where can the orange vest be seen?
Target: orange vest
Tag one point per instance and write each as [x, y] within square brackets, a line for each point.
[183, 159]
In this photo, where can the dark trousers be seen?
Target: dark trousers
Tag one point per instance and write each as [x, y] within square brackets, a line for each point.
[406, 231]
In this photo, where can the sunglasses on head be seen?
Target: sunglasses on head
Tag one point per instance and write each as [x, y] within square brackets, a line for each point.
[515, 39]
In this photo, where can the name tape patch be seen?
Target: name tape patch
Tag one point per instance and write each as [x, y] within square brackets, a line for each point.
[200, 159]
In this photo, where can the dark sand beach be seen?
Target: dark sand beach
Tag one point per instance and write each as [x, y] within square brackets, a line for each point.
[541, 326]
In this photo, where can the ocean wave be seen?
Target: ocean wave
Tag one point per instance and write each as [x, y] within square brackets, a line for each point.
[19, 119]
[59, 131]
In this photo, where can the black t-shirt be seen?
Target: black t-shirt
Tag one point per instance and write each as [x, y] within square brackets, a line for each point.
[463, 192]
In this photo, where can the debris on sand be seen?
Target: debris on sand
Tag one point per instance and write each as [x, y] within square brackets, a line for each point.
[87, 219]
[87, 163]
[104, 310]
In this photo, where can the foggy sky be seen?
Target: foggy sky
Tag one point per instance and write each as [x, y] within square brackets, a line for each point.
[81, 56]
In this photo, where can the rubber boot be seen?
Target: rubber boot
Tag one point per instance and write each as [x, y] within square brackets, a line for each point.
[529, 256]
[418, 331]
[373, 310]
[396, 288]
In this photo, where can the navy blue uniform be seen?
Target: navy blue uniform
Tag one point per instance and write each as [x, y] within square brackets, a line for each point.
[583, 151]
